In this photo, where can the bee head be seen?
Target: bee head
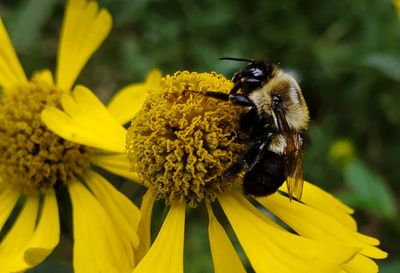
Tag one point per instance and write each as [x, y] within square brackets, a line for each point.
[286, 103]
[253, 76]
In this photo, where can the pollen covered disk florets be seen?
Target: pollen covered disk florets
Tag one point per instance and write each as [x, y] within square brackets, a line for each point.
[181, 142]
[32, 157]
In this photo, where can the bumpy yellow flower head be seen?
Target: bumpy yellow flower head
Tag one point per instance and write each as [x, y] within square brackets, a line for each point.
[181, 142]
[31, 156]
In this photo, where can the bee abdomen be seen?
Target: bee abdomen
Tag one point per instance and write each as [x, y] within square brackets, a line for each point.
[266, 177]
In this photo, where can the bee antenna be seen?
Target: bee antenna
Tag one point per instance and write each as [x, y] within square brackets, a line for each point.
[237, 59]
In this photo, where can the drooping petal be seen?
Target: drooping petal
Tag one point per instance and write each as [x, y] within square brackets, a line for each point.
[13, 245]
[33, 244]
[166, 253]
[314, 224]
[327, 203]
[115, 163]
[98, 244]
[85, 121]
[9, 197]
[361, 264]
[44, 75]
[274, 250]
[144, 229]
[260, 215]
[84, 29]
[127, 101]
[225, 258]
[47, 233]
[118, 206]
[11, 72]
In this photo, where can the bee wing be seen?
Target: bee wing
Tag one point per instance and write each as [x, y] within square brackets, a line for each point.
[294, 165]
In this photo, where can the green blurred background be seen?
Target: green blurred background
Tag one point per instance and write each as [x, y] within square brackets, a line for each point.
[345, 55]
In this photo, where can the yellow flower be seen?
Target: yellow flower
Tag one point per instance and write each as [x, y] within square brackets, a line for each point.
[397, 4]
[180, 143]
[35, 163]
[342, 151]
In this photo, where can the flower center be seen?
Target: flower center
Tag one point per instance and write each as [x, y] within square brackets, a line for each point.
[180, 143]
[32, 157]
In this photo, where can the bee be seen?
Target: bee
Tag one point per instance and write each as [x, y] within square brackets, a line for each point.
[276, 118]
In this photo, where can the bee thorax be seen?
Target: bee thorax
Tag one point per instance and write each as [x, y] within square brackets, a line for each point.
[278, 144]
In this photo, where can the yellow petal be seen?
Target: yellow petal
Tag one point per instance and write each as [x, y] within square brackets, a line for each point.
[224, 256]
[13, 245]
[144, 229]
[256, 212]
[84, 29]
[115, 163]
[63, 125]
[85, 121]
[314, 224]
[120, 208]
[44, 75]
[153, 79]
[127, 101]
[274, 250]
[361, 264]
[327, 203]
[47, 233]
[11, 72]
[397, 4]
[9, 197]
[98, 244]
[166, 253]
[368, 239]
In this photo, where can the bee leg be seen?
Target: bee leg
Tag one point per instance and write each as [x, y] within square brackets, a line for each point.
[212, 94]
[241, 100]
[236, 88]
[233, 97]
[257, 147]
[217, 95]
[242, 161]
[234, 169]
[262, 149]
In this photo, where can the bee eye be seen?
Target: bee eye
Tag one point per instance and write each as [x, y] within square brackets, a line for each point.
[276, 100]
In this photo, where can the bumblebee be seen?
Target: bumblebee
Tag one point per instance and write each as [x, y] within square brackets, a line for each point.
[276, 118]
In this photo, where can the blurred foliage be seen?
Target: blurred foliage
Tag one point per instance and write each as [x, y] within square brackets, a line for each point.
[345, 54]
[368, 191]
